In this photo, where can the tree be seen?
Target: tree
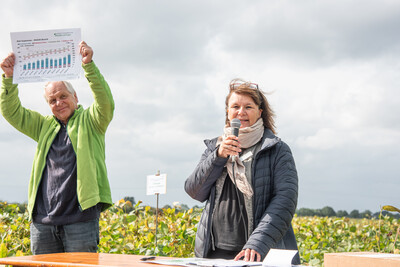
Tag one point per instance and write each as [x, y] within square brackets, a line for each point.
[366, 214]
[354, 214]
[131, 199]
[328, 212]
[342, 213]
[305, 212]
[184, 207]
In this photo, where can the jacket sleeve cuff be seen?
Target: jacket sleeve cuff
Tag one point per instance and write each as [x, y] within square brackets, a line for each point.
[6, 79]
[6, 82]
[89, 67]
[218, 160]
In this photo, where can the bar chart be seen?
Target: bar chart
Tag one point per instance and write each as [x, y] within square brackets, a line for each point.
[46, 56]
[45, 59]
[57, 58]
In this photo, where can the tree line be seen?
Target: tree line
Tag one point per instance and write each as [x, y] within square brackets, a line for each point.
[302, 212]
[330, 212]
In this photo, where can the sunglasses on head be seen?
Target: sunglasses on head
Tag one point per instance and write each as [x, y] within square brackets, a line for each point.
[236, 85]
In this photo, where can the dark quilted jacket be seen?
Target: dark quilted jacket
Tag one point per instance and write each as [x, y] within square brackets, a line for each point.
[275, 199]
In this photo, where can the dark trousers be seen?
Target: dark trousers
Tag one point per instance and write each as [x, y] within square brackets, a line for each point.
[76, 237]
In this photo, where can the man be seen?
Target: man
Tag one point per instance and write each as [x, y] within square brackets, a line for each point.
[69, 186]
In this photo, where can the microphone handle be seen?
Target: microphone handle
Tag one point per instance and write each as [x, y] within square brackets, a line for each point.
[235, 131]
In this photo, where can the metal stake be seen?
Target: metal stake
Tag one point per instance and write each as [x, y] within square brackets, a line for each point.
[157, 194]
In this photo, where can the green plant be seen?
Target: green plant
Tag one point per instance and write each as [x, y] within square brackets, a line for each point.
[14, 231]
[388, 247]
[133, 232]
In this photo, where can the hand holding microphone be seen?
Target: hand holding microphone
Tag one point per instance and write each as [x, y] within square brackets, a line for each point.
[230, 146]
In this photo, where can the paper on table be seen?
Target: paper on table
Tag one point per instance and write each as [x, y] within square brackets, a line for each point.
[222, 263]
[191, 262]
[171, 262]
[279, 257]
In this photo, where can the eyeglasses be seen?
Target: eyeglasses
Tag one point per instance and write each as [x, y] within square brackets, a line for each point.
[238, 84]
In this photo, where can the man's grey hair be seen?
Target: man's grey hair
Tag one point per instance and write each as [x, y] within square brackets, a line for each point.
[68, 85]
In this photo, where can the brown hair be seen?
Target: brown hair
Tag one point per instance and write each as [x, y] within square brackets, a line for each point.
[242, 87]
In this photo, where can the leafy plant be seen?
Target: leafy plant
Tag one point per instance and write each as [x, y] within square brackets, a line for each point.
[130, 229]
[391, 247]
[14, 231]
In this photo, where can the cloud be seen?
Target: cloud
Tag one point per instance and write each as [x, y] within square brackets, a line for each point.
[331, 69]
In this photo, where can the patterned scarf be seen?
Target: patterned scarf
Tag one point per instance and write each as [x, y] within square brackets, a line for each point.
[248, 137]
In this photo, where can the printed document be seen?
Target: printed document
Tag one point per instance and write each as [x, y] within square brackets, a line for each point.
[49, 55]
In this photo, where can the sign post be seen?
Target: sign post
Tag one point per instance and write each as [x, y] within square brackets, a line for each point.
[156, 185]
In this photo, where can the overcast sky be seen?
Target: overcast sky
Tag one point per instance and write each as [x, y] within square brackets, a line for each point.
[332, 69]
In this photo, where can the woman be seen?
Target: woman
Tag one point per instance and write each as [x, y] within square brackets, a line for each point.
[249, 182]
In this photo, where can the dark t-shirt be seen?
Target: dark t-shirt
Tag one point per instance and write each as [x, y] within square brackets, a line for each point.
[56, 199]
[227, 225]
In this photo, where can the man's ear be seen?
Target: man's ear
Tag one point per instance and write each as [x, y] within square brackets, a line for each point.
[76, 98]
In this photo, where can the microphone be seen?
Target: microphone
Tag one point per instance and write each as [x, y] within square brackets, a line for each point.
[235, 125]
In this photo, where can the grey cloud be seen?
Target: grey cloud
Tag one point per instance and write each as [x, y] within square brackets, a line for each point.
[319, 33]
[333, 64]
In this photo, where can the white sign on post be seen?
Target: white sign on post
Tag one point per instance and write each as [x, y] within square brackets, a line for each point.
[157, 184]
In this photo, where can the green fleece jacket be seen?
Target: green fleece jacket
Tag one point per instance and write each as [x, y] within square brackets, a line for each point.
[86, 129]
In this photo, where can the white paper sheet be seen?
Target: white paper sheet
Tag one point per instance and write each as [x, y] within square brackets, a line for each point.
[200, 262]
[49, 55]
[279, 257]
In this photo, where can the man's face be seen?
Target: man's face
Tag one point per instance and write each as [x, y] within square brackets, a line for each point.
[62, 103]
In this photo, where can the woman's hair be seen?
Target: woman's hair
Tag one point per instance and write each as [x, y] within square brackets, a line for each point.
[242, 87]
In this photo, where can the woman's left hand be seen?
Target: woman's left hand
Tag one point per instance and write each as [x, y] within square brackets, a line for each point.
[248, 255]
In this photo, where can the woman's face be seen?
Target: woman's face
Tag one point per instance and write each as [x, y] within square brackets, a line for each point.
[243, 108]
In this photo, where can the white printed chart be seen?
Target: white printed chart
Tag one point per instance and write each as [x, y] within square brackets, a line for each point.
[50, 55]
